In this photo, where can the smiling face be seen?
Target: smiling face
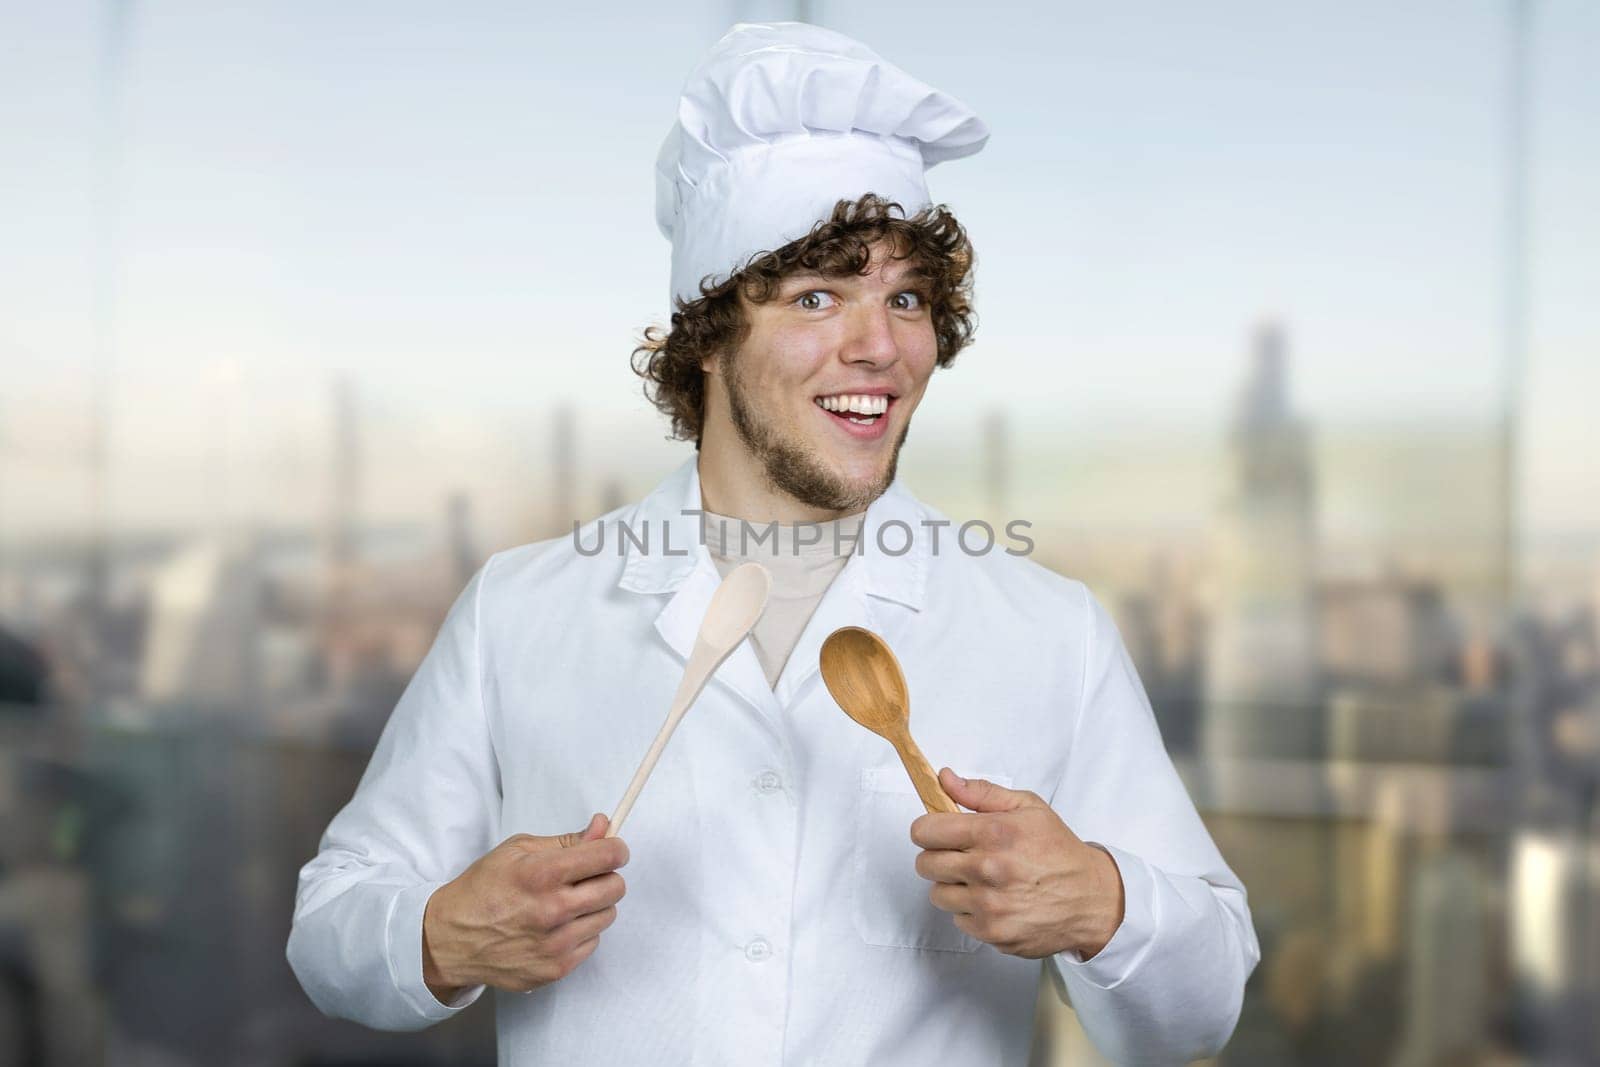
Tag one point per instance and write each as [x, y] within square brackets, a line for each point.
[819, 395]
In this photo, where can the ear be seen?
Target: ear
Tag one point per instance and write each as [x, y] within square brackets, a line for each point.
[712, 362]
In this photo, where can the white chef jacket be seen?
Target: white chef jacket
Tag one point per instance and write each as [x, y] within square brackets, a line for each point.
[773, 913]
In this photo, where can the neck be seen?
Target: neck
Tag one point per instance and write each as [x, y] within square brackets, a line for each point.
[732, 483]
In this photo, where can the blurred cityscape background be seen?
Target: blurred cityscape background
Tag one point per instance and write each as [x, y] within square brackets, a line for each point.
[1287, 349]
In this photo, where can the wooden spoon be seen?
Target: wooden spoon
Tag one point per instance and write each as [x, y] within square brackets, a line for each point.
[735, 607]
[865, 680]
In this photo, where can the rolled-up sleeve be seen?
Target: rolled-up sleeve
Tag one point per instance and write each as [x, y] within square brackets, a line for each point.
[1168, 986]
[426, 807]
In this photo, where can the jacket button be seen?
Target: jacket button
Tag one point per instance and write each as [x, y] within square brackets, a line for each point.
[758, 950]
[769, 782]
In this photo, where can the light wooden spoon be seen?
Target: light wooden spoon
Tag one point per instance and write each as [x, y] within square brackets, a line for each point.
[735, 607]
[865, 680]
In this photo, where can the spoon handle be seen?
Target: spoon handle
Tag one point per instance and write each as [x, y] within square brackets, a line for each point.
[934, 798]
[702, 663]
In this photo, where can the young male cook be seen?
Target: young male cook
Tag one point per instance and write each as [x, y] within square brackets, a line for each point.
[788, 901]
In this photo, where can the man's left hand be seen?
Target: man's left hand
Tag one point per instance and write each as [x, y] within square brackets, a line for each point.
[1014, 875]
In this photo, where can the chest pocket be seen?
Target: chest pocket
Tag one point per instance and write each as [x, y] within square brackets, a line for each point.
[891, 906]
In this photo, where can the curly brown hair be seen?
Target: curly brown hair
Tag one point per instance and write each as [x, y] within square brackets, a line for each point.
[669, 360]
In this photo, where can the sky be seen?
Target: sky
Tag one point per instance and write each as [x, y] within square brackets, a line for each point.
[451, 206]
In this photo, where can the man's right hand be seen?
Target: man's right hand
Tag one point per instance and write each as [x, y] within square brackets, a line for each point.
[525, 914]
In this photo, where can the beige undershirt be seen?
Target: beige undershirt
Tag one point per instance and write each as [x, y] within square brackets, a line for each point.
[801, 573]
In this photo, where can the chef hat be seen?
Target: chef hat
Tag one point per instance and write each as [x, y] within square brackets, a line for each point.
[780, 122]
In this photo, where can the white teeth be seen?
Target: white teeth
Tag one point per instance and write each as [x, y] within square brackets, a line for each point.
[860, 405]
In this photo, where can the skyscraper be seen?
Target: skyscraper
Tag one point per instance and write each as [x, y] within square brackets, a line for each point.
[344, 498]
[563, 471]
[996, 463]
[1261, 686]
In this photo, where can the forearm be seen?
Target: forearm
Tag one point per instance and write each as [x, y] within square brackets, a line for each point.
[1111, 904]
[432, 975]
[1167, 987]
[440, 967]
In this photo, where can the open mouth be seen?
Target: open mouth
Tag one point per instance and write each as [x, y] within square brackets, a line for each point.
[856, 408]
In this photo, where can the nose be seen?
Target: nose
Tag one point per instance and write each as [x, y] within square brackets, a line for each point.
[870, 338]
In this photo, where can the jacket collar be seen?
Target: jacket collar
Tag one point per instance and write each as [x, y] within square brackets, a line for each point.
[672, 560]
[672, 548]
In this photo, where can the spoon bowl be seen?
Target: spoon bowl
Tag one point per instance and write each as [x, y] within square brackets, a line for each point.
[735, 607]
[865, 679]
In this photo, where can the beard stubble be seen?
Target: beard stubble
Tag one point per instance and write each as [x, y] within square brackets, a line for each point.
[790, 465]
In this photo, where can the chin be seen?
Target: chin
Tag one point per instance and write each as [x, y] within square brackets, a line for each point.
[858, 470]
[869, 481]
[872, 478]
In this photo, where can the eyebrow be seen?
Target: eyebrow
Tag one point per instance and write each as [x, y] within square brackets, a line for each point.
[913, 277]
[806, 278]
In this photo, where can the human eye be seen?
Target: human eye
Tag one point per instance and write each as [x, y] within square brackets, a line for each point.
[815, 300]
[908, 300]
